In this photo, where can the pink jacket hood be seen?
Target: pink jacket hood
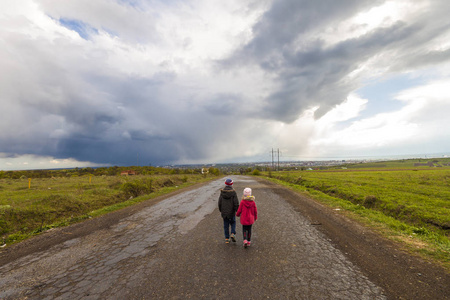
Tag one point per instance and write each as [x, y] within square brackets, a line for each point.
[247, 211]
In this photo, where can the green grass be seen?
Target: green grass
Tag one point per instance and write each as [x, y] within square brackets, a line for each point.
[402, 164]
[56, 202]
[408, 205]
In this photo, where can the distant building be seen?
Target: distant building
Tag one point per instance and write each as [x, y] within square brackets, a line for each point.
[128, 172]
[428, 164]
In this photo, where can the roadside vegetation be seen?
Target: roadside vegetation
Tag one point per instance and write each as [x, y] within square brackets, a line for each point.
[34, 201]
[403, 200]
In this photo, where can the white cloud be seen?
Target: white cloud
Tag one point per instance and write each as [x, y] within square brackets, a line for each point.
[420, 120]
[32, 162]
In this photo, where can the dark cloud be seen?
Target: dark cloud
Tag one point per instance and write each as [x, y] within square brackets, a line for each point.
[287, 20]
[224, 104]
[316, 77]
[309, 75]
[309, 72]
[142, 150]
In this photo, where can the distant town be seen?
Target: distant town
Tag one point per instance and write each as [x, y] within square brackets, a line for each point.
[300, 165]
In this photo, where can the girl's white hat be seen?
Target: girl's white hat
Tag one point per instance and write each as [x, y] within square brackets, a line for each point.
[247, 192]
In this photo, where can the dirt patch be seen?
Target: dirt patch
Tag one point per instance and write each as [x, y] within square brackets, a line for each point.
[400, 274]
[414, 243]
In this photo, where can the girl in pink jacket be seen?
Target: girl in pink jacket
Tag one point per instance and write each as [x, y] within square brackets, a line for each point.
[249, 213]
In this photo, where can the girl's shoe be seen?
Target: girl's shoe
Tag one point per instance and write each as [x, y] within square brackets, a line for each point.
[248, 244]
[245, 243]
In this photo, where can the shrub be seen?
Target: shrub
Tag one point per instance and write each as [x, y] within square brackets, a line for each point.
[421, 231]
[370, 201]
[299, 180]
[138, 187]
[115, 184]
[168, 182]
[214, 171]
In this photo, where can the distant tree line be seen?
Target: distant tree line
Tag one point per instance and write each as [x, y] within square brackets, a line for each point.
[103, 171]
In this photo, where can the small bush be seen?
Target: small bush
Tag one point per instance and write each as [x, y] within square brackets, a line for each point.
[117, 184]
[421, 231]
[370, 201]
[256, 172]
[299, 180]
[168, 182]
[333, 191]
[138, 187]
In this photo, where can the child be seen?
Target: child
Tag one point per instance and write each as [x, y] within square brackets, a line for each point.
[249, 213]
[228, 205]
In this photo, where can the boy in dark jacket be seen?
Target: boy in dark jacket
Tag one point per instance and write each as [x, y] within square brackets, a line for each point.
[228, 205]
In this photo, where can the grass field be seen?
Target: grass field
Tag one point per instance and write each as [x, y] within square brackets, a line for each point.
[405, 201]
[30, 207]
[415, 164]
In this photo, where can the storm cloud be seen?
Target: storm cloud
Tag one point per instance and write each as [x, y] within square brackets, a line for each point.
[311, 72]
[160, 82]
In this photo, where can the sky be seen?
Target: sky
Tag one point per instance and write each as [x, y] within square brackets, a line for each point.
[154, 82]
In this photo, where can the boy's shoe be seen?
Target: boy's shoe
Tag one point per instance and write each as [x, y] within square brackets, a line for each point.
[227, 241]
[233, 238]
[245, 243]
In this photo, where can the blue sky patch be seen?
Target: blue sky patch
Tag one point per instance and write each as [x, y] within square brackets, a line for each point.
[133, 3]
[381, 93]
[83, 29]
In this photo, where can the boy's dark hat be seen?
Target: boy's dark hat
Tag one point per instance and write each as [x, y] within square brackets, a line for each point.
[229, 182]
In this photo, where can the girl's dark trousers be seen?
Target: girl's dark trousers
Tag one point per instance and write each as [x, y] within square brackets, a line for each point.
[247, 231]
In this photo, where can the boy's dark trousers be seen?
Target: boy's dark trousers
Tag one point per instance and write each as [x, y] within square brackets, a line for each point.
[227, 222]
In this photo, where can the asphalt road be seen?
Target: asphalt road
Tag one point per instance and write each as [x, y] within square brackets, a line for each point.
[175, 250]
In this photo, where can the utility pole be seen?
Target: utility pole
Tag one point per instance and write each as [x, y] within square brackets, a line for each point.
[272, 158]
[278, 167]
[278, 155]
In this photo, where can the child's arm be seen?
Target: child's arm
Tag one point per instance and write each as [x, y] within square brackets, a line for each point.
[238, 213]
[235, 202]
